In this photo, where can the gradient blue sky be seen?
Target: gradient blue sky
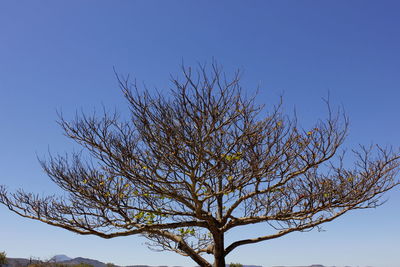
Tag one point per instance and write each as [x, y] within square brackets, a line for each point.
[59, 55]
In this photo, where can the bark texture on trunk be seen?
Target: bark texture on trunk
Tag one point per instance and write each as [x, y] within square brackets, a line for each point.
[219, 251]
[220, 262]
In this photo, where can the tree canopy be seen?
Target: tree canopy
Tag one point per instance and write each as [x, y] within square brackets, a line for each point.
[188, 166]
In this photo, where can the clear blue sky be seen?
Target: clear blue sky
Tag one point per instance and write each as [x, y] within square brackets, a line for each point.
[59, 55]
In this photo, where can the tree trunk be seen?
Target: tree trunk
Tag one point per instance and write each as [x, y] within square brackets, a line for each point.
[219, 251]
[219, 262]
[219, 245]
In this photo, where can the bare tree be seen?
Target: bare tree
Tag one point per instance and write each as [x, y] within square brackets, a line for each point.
[190, 166]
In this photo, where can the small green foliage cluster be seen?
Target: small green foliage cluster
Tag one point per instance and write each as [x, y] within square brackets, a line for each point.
[235, 265]
[3, 258]
[187, 231]
[234, 156]
[82, 265]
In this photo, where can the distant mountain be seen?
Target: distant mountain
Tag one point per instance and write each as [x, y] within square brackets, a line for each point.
[60, 258]
[78, 260]
[20, 262]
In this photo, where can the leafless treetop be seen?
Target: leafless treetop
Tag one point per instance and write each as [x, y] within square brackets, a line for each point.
[189, 166]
